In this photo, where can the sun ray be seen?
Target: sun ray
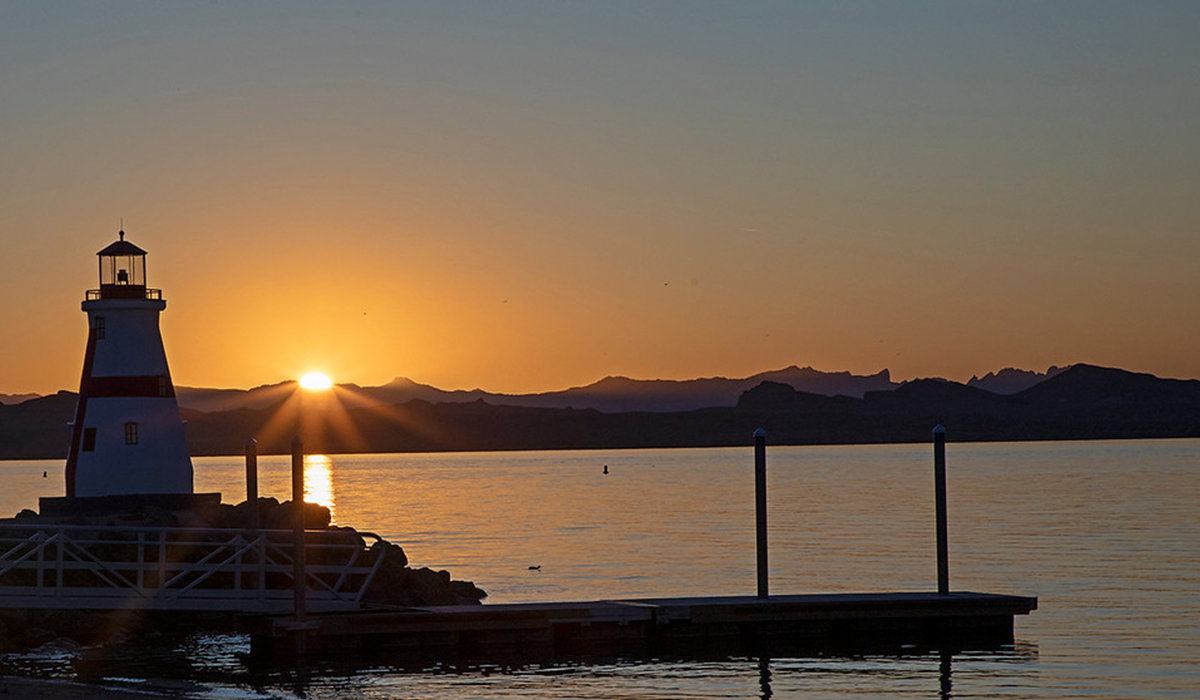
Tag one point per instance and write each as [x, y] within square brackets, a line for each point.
[339, 421]
[276, 432]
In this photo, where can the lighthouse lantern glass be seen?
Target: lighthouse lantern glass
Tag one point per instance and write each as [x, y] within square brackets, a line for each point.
[123, 270]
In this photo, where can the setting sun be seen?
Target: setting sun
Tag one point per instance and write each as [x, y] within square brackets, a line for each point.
[315, 381]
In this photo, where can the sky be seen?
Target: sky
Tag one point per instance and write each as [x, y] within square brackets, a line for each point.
[526, 196]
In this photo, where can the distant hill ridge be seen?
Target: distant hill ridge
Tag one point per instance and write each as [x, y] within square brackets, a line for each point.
[1011, 381]
[11, 399]
[609, 395]
[1082, 402]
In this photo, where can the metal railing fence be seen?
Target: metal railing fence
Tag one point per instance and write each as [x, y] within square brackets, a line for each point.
[108, 567]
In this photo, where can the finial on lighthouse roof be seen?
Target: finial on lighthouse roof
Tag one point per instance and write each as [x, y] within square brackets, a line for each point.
[121, 234]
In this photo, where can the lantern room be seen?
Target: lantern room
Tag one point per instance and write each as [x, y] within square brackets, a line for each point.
[122, 271]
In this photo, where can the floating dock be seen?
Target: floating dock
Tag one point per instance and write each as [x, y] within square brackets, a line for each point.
[650, 628]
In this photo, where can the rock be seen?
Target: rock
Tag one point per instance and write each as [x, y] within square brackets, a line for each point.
[467, 592]
[393, 554]
[316, 516]
[429, 587]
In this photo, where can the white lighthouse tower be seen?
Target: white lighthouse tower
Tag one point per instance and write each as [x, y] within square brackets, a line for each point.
[127, 439]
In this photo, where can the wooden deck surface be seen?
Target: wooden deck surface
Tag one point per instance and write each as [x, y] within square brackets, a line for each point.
[653, 627]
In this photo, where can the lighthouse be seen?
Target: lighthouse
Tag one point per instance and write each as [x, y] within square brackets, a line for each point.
[127, 439]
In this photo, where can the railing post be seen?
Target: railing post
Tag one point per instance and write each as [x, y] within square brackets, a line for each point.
[141, 560]
[58, 561]
[162, 561]
[939, 486]
[41, 564]
[300, 602]
[760, 508]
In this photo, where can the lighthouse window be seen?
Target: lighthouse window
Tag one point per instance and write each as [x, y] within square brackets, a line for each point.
[89, 439]
[162, 385]
[99, 328]
[131, 433]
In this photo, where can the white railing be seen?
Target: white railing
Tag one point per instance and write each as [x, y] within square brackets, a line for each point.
[90, 567]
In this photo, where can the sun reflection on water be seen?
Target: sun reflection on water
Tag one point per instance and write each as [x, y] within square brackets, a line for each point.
[318, 481]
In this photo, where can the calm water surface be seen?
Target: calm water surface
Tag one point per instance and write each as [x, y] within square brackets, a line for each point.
[1106, 534]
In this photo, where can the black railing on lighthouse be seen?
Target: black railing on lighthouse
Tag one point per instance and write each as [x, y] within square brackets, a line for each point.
[116, 291]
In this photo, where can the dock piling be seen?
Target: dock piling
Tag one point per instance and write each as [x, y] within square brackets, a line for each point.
[760, 508]
[252, 481]
[939, 485]
[252, 503]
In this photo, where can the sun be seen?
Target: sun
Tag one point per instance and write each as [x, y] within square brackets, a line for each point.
[316, 381]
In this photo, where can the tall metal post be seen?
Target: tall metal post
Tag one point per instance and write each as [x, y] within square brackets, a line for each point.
[760, 507]
[939, 485]
[298, 564]
[252, 481]
[260, 579]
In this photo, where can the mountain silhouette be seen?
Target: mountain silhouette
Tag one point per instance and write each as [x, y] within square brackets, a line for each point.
[37, 428]
[1082, 402]
[1010, 380]
[12, 399]
[609, 395]
[1088, 387]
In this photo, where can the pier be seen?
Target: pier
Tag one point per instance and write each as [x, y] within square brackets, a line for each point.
[303, 593]
[651, 628]
[852, 623]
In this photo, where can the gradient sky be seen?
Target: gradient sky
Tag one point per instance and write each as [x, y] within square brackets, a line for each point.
[525, 196]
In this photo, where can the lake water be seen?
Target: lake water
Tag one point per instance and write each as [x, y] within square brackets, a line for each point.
[1106, 534]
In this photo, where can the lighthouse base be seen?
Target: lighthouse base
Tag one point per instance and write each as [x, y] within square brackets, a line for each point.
[62, 507]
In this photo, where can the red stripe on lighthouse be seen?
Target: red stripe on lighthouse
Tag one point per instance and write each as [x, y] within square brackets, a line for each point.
[80, 410]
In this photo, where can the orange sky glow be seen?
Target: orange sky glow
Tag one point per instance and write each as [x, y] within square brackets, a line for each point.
[524, 197]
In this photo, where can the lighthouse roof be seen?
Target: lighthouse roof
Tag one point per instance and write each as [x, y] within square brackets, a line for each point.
[122, 247]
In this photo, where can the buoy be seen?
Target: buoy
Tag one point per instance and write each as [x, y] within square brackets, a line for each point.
[606, 469]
